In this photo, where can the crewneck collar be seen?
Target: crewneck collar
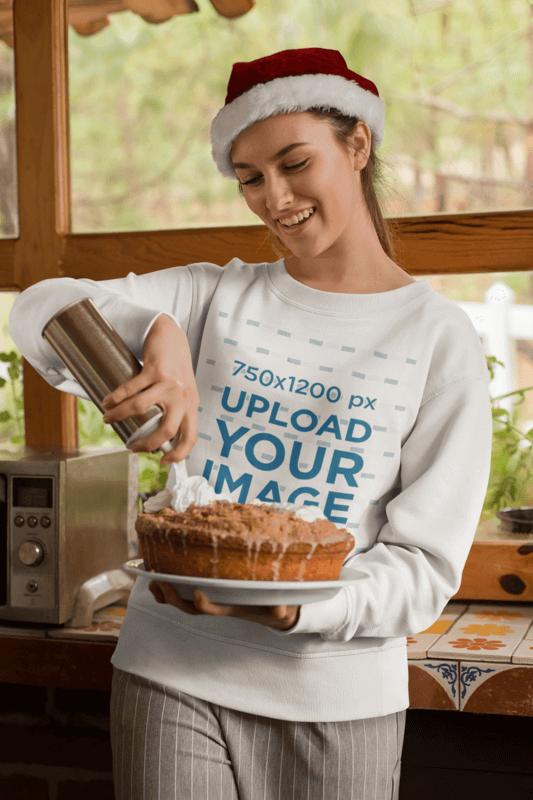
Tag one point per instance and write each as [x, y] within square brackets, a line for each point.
[339, 303]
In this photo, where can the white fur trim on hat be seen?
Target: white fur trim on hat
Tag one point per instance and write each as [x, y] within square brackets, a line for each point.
[293, 93]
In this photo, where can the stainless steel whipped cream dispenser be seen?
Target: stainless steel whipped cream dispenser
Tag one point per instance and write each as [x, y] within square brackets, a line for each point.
[100, 361]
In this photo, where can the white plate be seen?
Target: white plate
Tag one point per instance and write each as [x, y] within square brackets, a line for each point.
[250, 593]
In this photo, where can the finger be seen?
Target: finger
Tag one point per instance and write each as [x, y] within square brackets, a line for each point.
[167, 431]
[134, 405]
[185, 439]
[126, 389]
[172, 598]
[202, 602]
[157, 592]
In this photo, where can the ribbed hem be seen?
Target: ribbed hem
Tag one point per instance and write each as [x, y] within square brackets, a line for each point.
[337, 303]
[321, 688]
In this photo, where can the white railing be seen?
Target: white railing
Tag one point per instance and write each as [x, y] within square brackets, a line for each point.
[499, 322]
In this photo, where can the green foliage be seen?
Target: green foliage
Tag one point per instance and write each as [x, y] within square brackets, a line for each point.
[12, 416]
[511, 474]
[458, 71]
[94, 432]
[152, 475]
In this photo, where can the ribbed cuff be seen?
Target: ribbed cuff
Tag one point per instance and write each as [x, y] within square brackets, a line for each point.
[325, 616]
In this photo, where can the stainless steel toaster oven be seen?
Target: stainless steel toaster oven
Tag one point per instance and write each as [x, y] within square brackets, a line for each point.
[65, 516]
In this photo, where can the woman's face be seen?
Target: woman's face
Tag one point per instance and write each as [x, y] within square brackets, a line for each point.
[316, 174]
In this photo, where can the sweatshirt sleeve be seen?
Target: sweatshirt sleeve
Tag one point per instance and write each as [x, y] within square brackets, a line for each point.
[406, 579]
[130, 304]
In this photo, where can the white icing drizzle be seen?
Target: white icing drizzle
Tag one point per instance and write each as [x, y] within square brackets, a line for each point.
[303, 565]
[277, 563]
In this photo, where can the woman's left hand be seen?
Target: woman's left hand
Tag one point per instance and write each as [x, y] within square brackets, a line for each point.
[280, 617]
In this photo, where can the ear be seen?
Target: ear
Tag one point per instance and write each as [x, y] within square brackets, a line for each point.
[361, 141]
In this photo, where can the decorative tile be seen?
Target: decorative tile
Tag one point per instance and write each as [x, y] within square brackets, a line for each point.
[451, 613]
[434, 685]
[485, 633]
[496, 689]
[529, 632]
[418, 646]
[518, 618]
[524, 652]
[474, 646]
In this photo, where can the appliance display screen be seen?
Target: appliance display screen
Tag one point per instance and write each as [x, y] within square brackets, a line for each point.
[32, 492]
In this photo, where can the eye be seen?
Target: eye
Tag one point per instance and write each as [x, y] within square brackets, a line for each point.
[301, 164]
[251, 182]
[288, 167]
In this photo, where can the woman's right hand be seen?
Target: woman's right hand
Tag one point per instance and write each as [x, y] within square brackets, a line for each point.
[167, 378]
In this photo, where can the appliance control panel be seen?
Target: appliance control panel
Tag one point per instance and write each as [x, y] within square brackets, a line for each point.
[33, 522]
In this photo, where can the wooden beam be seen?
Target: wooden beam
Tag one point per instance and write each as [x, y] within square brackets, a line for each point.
[7, 259]
[41, 51]
[41, 401]
[440, 245]
[444, 244]
[466, 243]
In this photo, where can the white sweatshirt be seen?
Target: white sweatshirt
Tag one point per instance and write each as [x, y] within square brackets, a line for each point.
[374, 407]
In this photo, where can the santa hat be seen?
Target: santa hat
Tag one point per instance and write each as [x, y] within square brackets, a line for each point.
[292, 80]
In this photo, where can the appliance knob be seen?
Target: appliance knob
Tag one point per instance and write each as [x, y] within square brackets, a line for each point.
[31, 553]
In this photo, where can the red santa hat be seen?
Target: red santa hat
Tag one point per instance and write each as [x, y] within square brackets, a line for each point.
[292, 80]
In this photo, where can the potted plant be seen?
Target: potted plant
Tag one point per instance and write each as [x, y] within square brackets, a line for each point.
[509, 492]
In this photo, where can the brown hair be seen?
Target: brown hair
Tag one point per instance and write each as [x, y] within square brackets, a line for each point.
[371, 183]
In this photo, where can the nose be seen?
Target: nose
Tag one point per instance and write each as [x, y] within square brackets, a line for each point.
[278, 195]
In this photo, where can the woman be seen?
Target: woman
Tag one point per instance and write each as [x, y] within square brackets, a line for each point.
[331, 379]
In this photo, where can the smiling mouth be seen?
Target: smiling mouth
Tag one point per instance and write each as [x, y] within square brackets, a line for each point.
[297, 225]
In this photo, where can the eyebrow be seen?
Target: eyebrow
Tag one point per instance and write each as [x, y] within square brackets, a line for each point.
[281, 153]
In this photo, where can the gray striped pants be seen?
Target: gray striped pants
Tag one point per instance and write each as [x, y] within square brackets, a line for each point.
[168, 745]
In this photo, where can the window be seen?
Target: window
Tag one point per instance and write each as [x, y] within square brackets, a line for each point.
[9, 220]
[455, 80]
[11, 385]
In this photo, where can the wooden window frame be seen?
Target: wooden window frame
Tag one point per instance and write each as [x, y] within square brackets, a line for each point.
[46, 247]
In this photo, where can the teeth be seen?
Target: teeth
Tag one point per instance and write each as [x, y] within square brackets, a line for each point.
[296, 218]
